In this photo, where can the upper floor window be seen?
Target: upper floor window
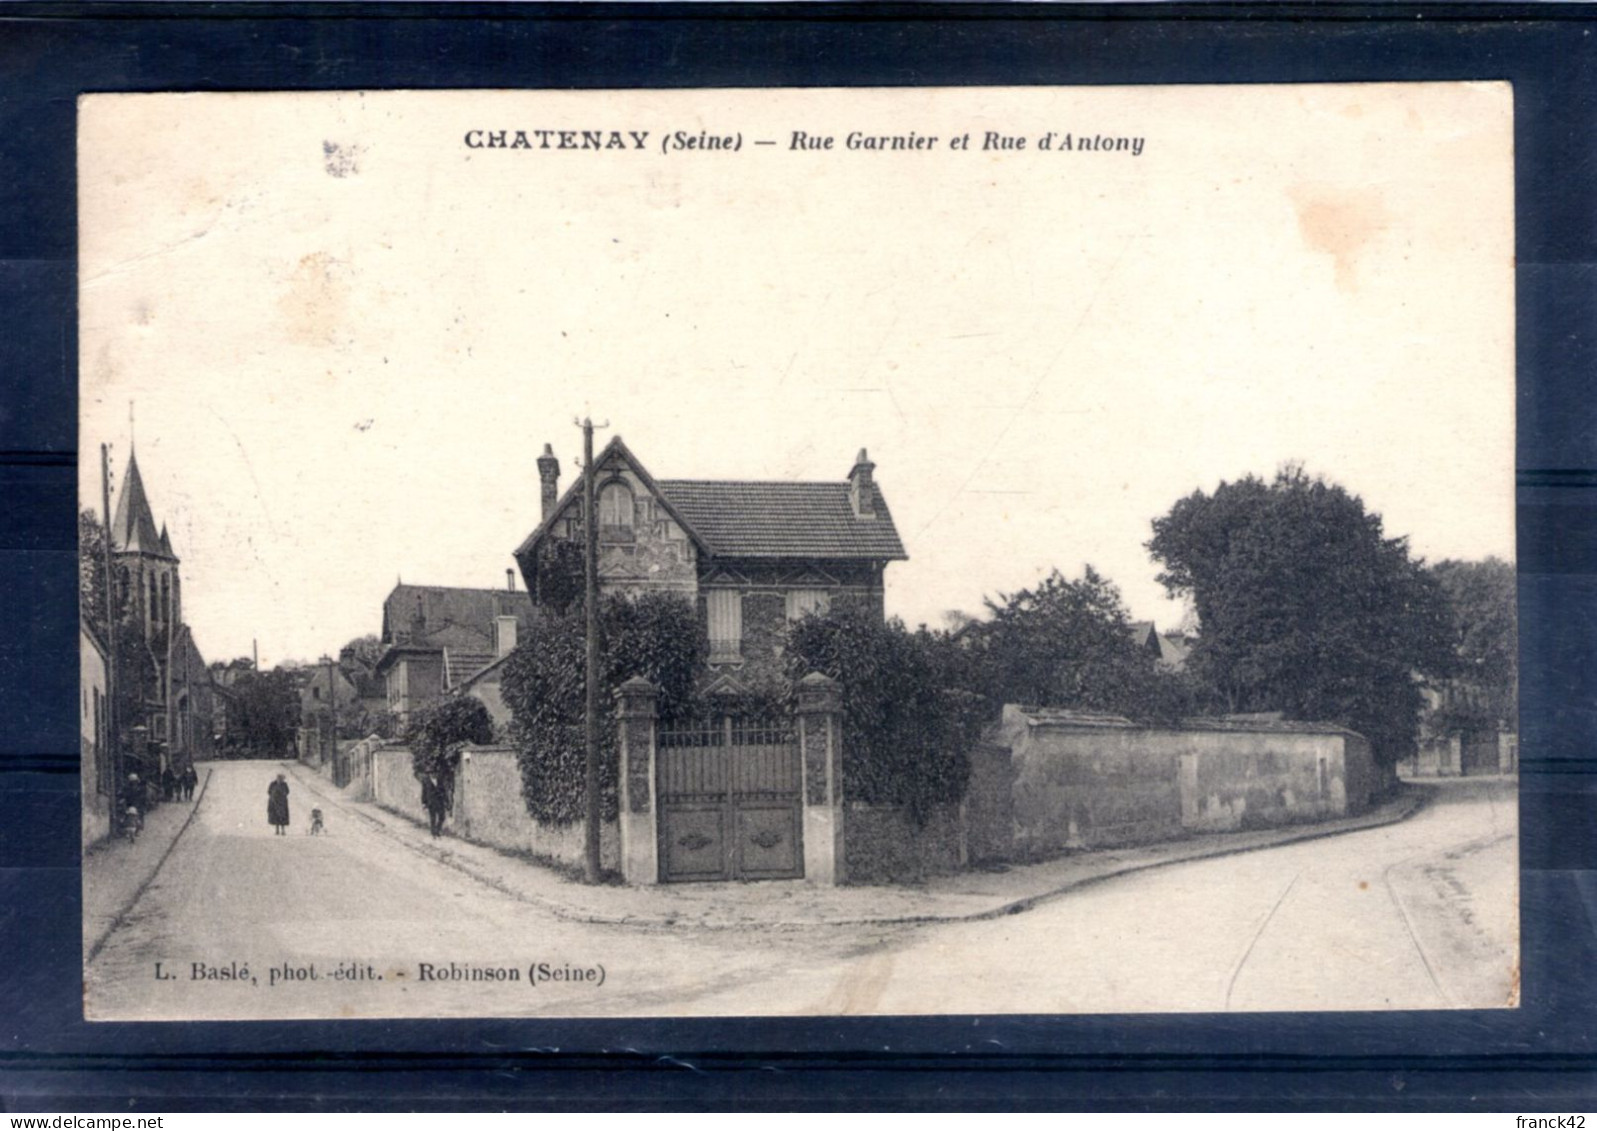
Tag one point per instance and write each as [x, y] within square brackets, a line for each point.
[802, 602]
[615, 512]
[725, 608]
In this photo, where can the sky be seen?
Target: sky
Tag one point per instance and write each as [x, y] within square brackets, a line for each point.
[348, 333]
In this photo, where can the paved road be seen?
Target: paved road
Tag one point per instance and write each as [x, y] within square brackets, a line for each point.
[1416, 915]
[233, 895]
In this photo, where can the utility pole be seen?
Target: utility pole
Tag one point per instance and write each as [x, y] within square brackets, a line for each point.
[112, 734]
[590, 539]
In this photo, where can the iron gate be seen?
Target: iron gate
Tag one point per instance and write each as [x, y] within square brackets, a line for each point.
[730, 801]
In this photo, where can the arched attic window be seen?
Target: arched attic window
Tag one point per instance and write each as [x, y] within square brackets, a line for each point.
[615, 512]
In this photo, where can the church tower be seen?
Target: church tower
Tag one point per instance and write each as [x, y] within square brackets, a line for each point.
[149, 600]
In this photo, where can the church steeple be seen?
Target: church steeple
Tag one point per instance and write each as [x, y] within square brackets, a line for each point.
[133, 528]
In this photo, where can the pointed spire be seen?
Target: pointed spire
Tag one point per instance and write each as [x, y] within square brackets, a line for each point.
[166, 543]
[133, 529]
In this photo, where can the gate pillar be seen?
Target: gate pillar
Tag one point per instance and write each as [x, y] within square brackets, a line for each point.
[820, 733]
[639, 809]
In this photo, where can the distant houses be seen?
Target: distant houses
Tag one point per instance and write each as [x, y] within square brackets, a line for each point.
[435, 638]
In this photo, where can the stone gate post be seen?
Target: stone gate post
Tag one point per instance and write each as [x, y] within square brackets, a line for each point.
[820, 736]
[636, 712]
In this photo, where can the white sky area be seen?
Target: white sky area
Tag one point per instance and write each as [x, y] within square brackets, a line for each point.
[348, 335]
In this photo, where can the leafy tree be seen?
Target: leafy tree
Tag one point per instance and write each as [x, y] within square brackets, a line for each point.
[908, 725]
[356, 721]
[657, 636]
[1484, 692]
[1306, 606]
[1069, 644]
[437, 732]
[91, 571]
[265, 713]
[365, 650]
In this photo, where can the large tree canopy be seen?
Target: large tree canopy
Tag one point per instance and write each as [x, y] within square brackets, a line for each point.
[1306, 607]
[264, 715]
[1069, 644]
[1484, 692]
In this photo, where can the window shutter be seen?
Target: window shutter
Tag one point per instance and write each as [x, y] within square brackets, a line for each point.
[802, 602]
[726, 625]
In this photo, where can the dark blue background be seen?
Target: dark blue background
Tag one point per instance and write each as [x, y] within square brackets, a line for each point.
[1537, 1059]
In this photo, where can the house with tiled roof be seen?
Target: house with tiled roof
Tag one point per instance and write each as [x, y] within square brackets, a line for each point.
[1169, 649]
[750, 555]
[435, 637]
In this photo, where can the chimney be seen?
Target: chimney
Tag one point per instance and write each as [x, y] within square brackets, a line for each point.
[862, 487]
[510, 580]
[504, 636]
[549, 478]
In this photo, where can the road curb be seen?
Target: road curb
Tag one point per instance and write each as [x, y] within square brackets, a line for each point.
[1412, 805]
[138, 893]
[1409, 806]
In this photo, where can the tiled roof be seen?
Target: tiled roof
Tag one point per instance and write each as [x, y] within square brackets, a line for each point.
[440, 616]
[460, 665]
[743, 519]
[481, 674]
[1173, 650]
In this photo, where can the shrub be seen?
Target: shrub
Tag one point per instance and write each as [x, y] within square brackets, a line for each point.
[657, 636]
[437, 732]
[906, 730]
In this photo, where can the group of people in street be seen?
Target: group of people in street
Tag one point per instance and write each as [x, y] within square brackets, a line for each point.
[143, 792]
[179, 786]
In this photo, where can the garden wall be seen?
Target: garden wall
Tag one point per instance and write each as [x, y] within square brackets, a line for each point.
[1077, 780]
[885, 844]
[489, 808]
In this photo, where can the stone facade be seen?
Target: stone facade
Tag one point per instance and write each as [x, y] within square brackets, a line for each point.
[764, 592]
[750, 556]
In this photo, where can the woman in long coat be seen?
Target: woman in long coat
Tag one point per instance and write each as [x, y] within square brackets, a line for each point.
[277, 804]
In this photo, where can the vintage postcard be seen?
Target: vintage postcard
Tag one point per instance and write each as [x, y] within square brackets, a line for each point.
[783, 552]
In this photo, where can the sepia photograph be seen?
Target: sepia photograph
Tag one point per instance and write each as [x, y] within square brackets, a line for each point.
[798, 552]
